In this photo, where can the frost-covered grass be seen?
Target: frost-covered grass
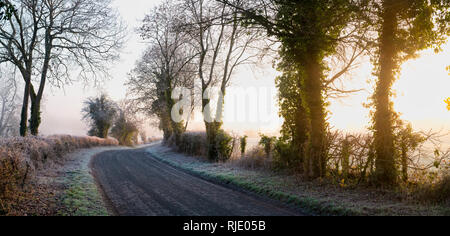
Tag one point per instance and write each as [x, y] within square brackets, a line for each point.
[81, 196]
[317, 197]
[22, 158]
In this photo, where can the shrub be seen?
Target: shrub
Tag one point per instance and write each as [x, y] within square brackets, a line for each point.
[12, 176]
[193, 143]
[442, 190]
[224, 145]
[255, 158]
[21, 157]
[436, 193]
[285, 156]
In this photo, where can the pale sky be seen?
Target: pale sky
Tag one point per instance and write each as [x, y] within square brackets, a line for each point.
[421, 90]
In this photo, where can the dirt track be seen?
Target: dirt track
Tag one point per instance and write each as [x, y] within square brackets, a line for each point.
[134, 183]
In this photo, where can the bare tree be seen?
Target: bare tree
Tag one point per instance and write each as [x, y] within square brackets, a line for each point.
[46, 38]
[223, 44]
[166, 65]
[8, 103]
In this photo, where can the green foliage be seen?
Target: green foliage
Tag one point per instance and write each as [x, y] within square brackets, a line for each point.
[295, 126]
[268, 143]
[285, 156]
[125, 130]
[100, 113]
[224, 145]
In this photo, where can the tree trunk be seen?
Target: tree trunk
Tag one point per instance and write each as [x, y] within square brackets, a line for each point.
[177, 127]
[166, 126]
[211, 128]
[385, 172]
[104, 129]
[35, 118]
[24, 113]
[314, 102]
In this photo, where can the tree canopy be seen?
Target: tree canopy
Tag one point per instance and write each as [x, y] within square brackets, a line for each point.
[100, 113]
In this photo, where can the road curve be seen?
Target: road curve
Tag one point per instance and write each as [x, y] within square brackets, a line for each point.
[136, 184]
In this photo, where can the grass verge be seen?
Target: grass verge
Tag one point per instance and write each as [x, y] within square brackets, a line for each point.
[308, 205]
[81, 196]
[313, 198]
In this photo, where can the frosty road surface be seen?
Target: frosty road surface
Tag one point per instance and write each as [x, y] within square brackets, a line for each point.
[135, 183]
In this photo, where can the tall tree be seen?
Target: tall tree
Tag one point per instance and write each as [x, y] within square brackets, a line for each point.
[403, 29]
[19, 40]
[166, 65]
[8, 102]
[309, 32]
[223, 45]
[46, 38]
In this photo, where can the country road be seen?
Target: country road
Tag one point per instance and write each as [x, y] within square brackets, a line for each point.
[136, 184]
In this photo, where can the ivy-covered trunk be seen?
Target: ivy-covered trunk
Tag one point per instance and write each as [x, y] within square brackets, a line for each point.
[177, 128]
[315, 108]
[24, 112]
[35, 118]
[212, 129]
[166, 126]
[386, 172]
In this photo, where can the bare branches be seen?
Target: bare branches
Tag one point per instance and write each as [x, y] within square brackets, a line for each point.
[167, 64]
[46, 39]
[8, 102]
